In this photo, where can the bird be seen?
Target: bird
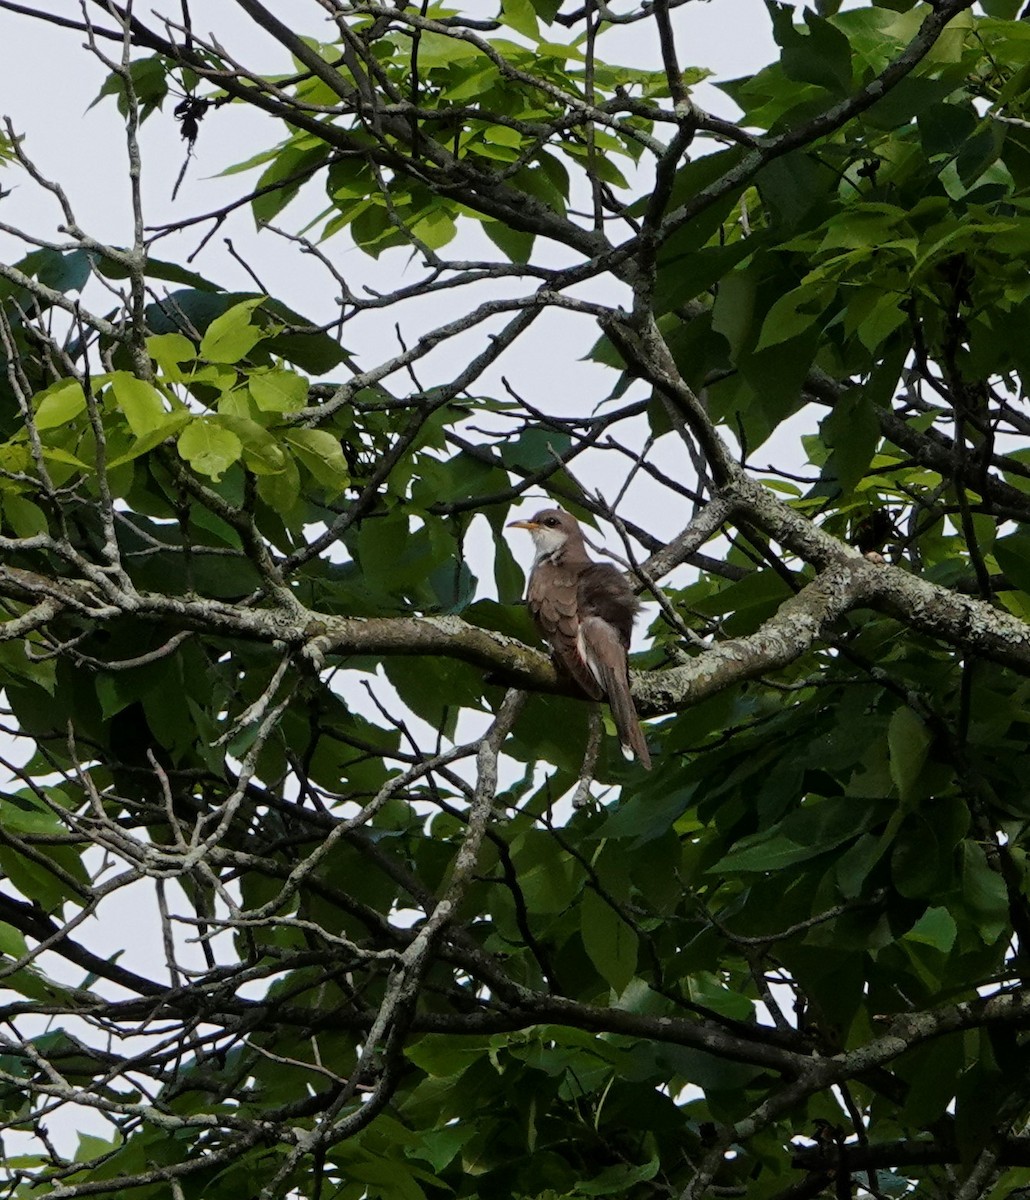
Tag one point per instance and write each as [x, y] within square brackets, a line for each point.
[585, 610]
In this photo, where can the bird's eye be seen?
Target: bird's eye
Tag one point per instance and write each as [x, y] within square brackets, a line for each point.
[552, 521]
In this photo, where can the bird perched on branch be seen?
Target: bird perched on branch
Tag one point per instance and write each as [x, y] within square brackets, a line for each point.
[585, 610]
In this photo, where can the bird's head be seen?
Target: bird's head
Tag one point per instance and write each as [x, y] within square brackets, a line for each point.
[550, 531]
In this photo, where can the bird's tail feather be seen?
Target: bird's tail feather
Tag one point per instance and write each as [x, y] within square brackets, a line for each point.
[605, 655]
[627, 724]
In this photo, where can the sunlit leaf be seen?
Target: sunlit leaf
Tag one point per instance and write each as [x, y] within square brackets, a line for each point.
[209, 447]
[233, 335]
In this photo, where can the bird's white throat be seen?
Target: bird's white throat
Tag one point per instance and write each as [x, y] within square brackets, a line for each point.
[547, 542]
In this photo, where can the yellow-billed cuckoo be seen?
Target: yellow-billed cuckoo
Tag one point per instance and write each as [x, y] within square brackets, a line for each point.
[585, 609]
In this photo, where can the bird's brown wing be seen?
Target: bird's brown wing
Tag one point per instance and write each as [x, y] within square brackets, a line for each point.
[553, 598]
[606, 593]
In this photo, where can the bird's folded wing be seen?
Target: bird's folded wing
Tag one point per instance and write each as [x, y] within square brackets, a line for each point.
[553, 601]
[604, 591]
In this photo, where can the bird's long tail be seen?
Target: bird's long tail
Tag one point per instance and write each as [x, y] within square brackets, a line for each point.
[605, 655]
[631, 736]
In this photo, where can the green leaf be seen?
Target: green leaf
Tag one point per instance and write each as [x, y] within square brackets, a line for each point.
[435, 228]
[438, 50]
[168, 350]
[209, 447]
[515, 244]
[931, 1072]
[64, 271]
[60, 403]
[733, 311]
[447, 1056]
[706, 989]
[534, 448]
[141, 403]
[171, 425]
[321, 453]
[233, 335]
[12, 941]
[281, 491]
[438, 1147]
[795, 313]
[887, 315]
[823, 824]
[936, 928]
[261, 452]
[822, 56]
[25, 518]
[521, 16]
[984, 893]
[290, 169]
[771, 853]
[852, 431]
[509, 578]
[157, 269]
[33, 880]
[946, 128]
[550, 883]
[1013, 556]
[909, 742]
[609, 941]
[388, 1179]
[56, 454]
[278, 390]
[619, 1179]
[28, 812]
[149, 78]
